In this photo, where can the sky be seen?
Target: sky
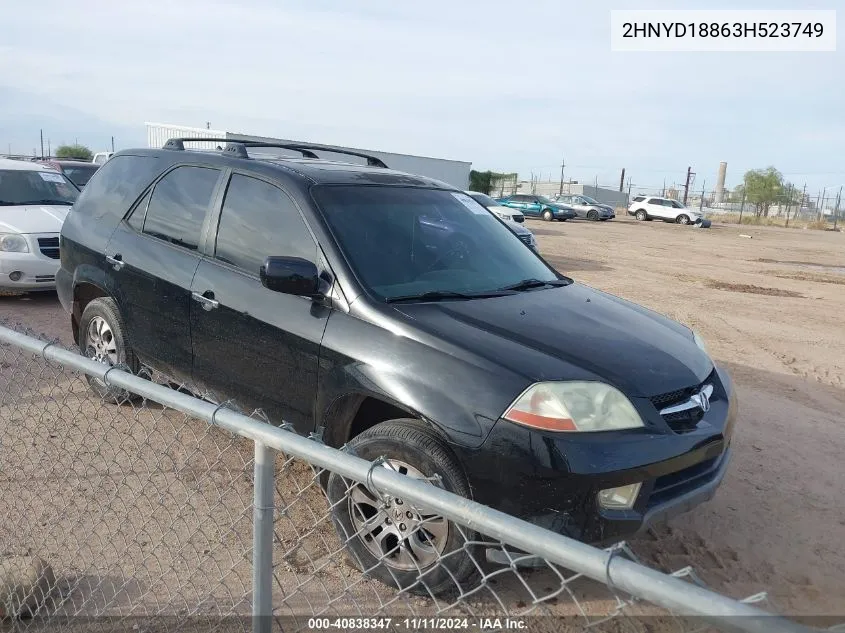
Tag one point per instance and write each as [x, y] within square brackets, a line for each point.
[509, 86]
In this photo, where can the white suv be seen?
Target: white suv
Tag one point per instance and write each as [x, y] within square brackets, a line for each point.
[666, 209]
[34, 201]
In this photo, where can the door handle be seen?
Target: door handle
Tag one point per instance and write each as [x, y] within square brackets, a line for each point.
[207, 303]
[116, 261]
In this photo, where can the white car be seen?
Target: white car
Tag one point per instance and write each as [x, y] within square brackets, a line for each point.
[513, 219]
[101, 157]
[666, 209]
[506, 213]
[34, 201]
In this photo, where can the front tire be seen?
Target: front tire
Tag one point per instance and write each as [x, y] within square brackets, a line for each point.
[391, 540]
[682, 219]
[641, 215]
[548, 216]
[102, 337]
[593, 216]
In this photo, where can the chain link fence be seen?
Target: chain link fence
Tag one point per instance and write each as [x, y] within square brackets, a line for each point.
[166, 512]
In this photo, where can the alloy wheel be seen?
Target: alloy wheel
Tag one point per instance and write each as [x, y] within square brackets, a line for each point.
[394, 532]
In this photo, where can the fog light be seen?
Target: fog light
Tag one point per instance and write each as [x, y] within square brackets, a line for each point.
[621, 498]
[15, 275]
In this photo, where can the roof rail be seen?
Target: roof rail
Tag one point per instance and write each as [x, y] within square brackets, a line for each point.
[238, 148]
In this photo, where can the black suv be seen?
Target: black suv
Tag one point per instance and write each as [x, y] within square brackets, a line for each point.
[397, 315]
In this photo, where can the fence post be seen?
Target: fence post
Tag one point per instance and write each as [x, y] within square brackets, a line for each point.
[262, 538]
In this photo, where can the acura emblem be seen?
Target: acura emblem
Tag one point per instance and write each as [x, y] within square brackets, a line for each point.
[702, 399]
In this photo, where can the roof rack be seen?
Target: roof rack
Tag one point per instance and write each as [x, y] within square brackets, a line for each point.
[238, 148]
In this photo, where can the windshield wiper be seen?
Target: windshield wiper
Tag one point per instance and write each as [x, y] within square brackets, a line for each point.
[439, 295]
[528, 284]
[44, 201]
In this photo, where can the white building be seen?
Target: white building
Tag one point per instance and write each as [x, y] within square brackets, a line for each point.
[453, 172]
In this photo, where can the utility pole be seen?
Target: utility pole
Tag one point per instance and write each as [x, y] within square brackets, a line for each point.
[622, 180]
[800, 204]
[686, 185]
[836, 211]
[821, 204]
[42, 144]
[208, 125]
[49, 149]
[562, 165]
[112, 144]
[701, 202]
[629, 190]
[663, 193]
[742, 206]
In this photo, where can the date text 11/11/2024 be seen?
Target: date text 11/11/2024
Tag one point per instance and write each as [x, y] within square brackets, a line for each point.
[417, 624]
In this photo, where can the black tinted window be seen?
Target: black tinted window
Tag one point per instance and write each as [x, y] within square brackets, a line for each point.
[80, 174]
[136, 220]
[179, 203]
[259, 220]
[116, 185]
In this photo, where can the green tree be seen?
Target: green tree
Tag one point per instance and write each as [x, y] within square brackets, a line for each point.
[74, 151]
[762, 188]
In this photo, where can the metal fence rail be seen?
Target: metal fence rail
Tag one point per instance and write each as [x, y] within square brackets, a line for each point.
[168, 512]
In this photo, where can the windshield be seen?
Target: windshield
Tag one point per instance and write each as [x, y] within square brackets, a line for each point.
[483, 199]
[19, 187]
[404, 241]
[80, 174]
[677, 204]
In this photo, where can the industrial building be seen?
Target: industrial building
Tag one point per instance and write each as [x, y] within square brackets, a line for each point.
[453, 172]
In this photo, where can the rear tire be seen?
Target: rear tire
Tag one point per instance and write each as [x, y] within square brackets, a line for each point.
[415, 551]
[641, 215]
[102, 337]
[548, 216]
[682, 219]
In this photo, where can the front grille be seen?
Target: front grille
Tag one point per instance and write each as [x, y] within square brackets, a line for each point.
[44, 279]
[675, 484]
[49, 246]
[525, 239]
[681, 421]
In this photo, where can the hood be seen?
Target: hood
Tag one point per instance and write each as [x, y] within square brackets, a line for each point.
[570, 333]
[517, 228]
[33, 219]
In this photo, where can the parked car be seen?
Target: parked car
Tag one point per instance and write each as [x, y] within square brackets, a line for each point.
[79, 172]
[34, 200]
[512, 218]
[506, 213]
[328, 295]
[101, 157]
[587, 207]
[666, 209]
[538, 206]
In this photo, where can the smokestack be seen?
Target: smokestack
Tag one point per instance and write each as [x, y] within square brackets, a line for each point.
[720, 181]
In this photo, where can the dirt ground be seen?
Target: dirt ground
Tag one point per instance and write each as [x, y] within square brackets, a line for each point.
[772, 310]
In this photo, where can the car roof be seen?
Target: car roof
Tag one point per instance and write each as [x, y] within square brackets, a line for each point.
[71, 162]
[309, 170]
[23, 165]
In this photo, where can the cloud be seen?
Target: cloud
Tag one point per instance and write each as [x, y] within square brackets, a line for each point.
[508, 86]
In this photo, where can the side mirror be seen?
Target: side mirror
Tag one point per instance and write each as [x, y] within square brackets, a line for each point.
[290, 276]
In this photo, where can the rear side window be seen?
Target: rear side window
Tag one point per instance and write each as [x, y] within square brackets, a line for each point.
[259, 220]
[177, 208]
[116, 186]
[639, 198]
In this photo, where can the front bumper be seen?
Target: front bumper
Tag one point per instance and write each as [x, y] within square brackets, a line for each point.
[553, 480]
[38, 272]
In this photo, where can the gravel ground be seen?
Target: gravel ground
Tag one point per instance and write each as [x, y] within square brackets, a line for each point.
[772, 309]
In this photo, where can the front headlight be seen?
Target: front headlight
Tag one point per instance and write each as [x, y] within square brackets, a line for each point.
[700, 342]
[13, 243]
[573, 407]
